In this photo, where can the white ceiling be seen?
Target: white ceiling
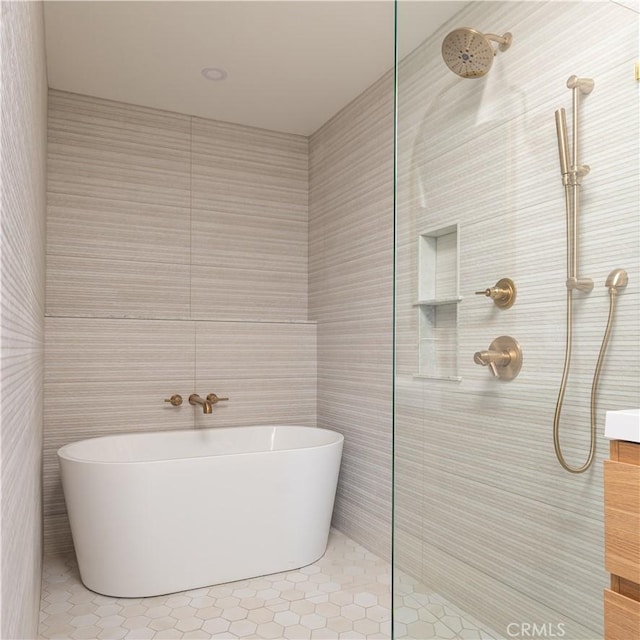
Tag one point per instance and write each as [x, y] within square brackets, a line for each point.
[291, 65]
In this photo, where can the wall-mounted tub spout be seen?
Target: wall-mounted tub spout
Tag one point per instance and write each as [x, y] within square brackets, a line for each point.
[195, 399]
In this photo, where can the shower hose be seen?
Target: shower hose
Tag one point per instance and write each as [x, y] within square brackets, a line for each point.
[594, 386]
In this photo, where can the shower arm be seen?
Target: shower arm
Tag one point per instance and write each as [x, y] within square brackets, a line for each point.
[504, 41]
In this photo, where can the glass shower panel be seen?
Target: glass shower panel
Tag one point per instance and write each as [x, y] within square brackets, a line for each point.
[493, 538]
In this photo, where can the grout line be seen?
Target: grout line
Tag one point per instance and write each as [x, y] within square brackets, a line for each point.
[195, 327]
[190, 216]
[179, 319]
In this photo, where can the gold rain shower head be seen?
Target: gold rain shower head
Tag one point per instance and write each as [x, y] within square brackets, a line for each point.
[469, 53]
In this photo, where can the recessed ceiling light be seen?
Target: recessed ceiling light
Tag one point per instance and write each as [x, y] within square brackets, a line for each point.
[214, 73]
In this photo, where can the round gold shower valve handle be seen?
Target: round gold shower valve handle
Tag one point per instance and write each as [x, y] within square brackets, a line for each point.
[503, 357]
[503, 294]
[175, 400]
[213, 398]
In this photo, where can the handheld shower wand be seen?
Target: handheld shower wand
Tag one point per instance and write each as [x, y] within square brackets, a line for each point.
[563, 143]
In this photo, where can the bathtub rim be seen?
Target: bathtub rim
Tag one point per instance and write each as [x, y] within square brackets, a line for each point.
[62, 452]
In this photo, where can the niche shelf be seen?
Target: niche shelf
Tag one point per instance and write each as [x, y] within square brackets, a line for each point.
[437, 304]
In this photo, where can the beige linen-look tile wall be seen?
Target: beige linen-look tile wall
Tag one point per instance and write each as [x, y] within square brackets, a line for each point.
[23, 177]
[486, 515]
[249, 223]
[118, 219]
[350, 295]
[177, 251]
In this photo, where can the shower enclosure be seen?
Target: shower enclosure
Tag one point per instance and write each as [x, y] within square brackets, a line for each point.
[492, 536]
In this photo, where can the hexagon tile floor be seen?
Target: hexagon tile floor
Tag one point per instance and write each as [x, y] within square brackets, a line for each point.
[345, 594]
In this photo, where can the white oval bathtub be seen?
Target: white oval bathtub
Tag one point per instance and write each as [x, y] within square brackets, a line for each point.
[155, 513]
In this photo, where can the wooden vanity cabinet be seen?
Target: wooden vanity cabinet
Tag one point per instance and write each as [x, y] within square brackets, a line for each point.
[622, 541]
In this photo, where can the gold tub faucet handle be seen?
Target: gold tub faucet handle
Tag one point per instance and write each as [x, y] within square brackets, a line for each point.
[213, 398]
[175, 400]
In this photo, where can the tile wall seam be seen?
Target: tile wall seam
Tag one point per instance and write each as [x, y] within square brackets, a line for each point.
[195, 328]
[203, 320]
[191, 218]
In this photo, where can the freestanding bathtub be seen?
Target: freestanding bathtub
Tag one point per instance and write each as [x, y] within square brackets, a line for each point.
[155, 513]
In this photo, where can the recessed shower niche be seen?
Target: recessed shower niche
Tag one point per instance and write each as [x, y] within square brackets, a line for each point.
[437, 304]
